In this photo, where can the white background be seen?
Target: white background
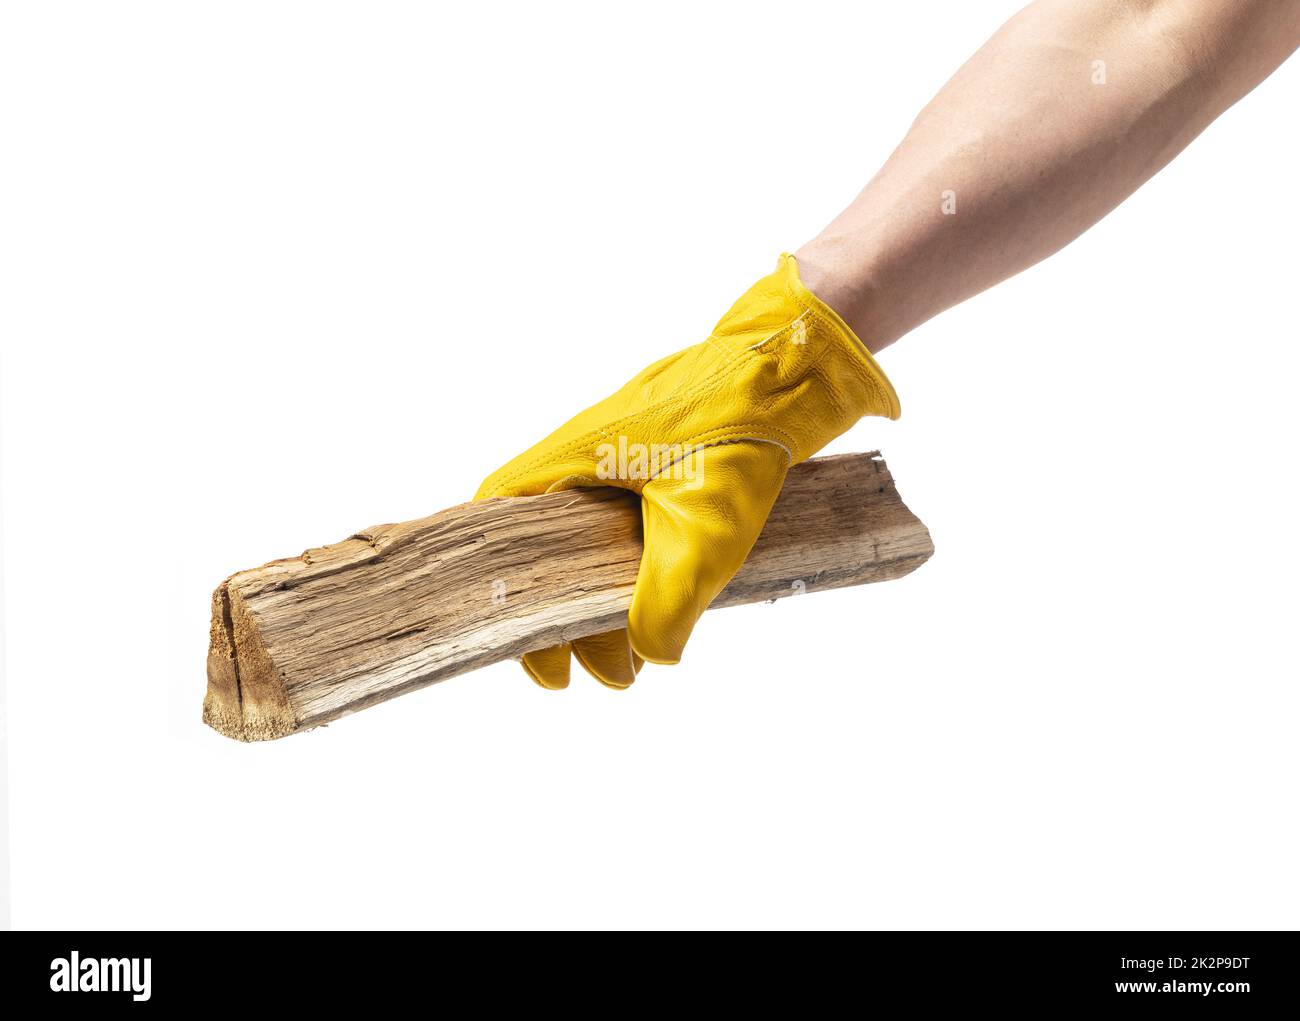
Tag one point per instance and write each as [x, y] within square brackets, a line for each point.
[273, 272]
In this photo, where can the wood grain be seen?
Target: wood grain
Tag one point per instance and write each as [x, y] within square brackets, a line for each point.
[297, 643]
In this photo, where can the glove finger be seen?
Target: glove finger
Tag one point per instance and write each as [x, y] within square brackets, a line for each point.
[548, 667]
[608, 658]
[699, 528]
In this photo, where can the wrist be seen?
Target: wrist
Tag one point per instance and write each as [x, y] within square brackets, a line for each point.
[843, 281]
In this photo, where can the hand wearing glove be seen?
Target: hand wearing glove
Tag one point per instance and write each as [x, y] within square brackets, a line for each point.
[705, 436]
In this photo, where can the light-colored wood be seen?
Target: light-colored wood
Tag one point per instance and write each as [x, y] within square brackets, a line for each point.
[298, 643]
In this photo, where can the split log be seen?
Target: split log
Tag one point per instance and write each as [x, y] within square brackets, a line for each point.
[298, 643]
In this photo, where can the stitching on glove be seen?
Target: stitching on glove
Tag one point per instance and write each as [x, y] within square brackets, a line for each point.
[703, 387]
[695, 447]
[708, 385]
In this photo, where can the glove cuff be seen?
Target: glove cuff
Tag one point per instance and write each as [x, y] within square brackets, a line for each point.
[884, 401]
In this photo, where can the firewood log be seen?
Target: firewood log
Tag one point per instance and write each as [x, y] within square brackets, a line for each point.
[300, 642]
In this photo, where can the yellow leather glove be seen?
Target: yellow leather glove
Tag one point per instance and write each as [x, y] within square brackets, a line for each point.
[705, 436]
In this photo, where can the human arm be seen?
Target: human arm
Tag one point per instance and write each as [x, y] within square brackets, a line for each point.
[1060, 116]
[1029, 144]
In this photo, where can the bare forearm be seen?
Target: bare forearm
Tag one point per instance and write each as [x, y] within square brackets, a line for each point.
[1066, 111]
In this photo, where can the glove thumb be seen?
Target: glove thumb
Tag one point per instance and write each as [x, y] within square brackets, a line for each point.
[700, 521]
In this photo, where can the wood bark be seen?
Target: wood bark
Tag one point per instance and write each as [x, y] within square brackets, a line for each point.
[297, 643]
